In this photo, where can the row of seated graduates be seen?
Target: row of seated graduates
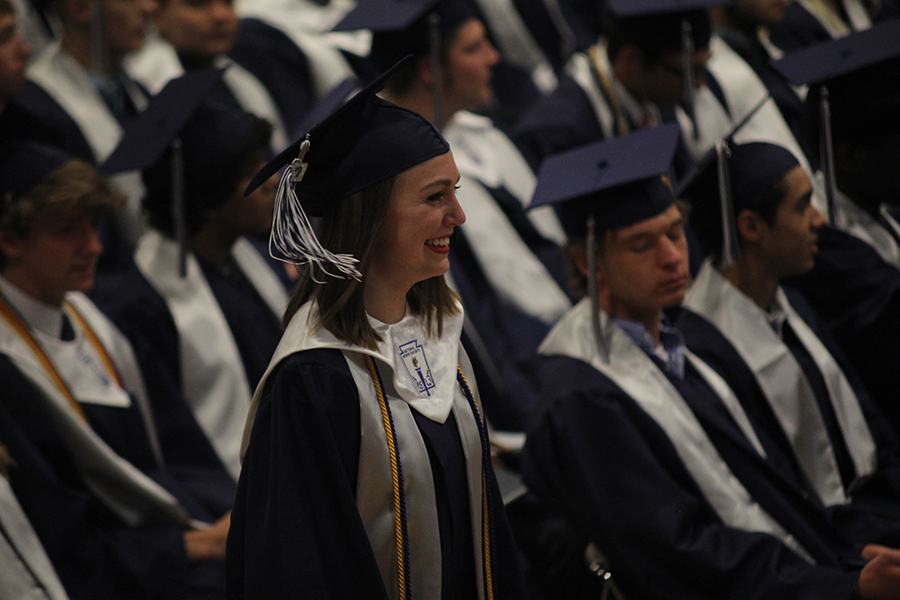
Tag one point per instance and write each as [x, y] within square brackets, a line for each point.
[274, 94]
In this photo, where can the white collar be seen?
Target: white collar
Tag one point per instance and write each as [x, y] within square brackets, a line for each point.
[39, 315]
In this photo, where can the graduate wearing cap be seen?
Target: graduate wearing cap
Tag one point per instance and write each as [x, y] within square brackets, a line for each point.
[192, 36]
[809, 22]
[507, 266]
[764, 337]
[123, 509]
[640, 442]
[78, 97]
[200, 303]
[367, 471]
[634, 73]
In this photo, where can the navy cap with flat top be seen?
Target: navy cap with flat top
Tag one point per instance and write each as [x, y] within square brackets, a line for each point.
[23, 164]
[618, 181]
[834, 58]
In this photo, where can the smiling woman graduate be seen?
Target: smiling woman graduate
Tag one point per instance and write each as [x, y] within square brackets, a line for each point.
[367, 472]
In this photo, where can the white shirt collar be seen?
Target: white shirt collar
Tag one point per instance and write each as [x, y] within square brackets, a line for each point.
[38, 315]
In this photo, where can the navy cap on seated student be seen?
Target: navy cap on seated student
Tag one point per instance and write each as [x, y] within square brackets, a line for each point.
[640, 442]
[369, 379]
[207, 333]
[116, 500]
[762, 336]
[623, 82]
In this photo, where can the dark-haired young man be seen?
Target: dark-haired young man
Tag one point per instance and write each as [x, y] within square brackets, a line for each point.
[123, 506]
[14, 54]
[642, 444]
[763, 337]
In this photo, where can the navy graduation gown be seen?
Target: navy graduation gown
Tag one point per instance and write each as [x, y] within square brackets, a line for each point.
[280, 65]
[296, 503]
[881, 490]
[95, 554]
[857, 295]
[596, 454]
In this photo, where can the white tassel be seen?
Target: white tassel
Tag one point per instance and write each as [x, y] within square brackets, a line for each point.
[293, 235]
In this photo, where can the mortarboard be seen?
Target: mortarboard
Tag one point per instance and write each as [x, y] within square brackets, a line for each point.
[617, 181]
[23, 165]
[848, 66]
[364, 142]
[402, 27]
[605, 186]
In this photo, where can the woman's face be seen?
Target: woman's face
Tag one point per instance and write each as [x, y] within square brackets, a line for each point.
[414, 242]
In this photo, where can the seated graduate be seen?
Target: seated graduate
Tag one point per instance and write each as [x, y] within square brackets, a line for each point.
[288, 46]
[366, 447]
[809, 22]
[195, 35]
[741, 63]
[622, 83]
[27, 571]
[206, 327]
[641, 443]
[506, 265]
[79, 98]
[855, 284]
[762, 336]
[121, 507]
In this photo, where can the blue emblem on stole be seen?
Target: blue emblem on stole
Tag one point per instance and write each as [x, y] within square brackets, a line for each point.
[416, 364]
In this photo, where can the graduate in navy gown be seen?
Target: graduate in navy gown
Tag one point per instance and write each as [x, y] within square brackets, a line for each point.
[367, 469]
[641, 443]
[506, 265]
[631, 78]
[208, 332]
[761, 336]
[125, 509]
[808, 22]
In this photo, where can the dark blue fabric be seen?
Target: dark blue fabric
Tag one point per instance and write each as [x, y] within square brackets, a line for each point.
[613, 470]
[296, 500]
[857, 295]
[280, 65]
[95, 554]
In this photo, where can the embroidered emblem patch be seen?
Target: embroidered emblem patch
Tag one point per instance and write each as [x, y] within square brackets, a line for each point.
[416, 364]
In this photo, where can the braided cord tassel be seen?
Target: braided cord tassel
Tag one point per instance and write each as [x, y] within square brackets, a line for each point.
[487, 493]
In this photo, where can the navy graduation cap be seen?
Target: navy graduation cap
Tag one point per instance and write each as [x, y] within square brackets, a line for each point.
[365, 141]
[848, 68]
[634, 8]
[618, 181]
[23, 165]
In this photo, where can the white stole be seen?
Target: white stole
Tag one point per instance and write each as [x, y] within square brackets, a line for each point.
[782, 380]
[632, 370]
[516, 43]
[69, 85]
[374, 486]
[854, 220]
[212, 373]
[308, 26]
[832, 22]
[27, 571]
[157, 63]
[486, 157]
[580, 69]
[123, 488]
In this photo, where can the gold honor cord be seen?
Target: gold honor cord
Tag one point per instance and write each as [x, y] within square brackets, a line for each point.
[22, 330]
[400, 529]
[397, 478]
